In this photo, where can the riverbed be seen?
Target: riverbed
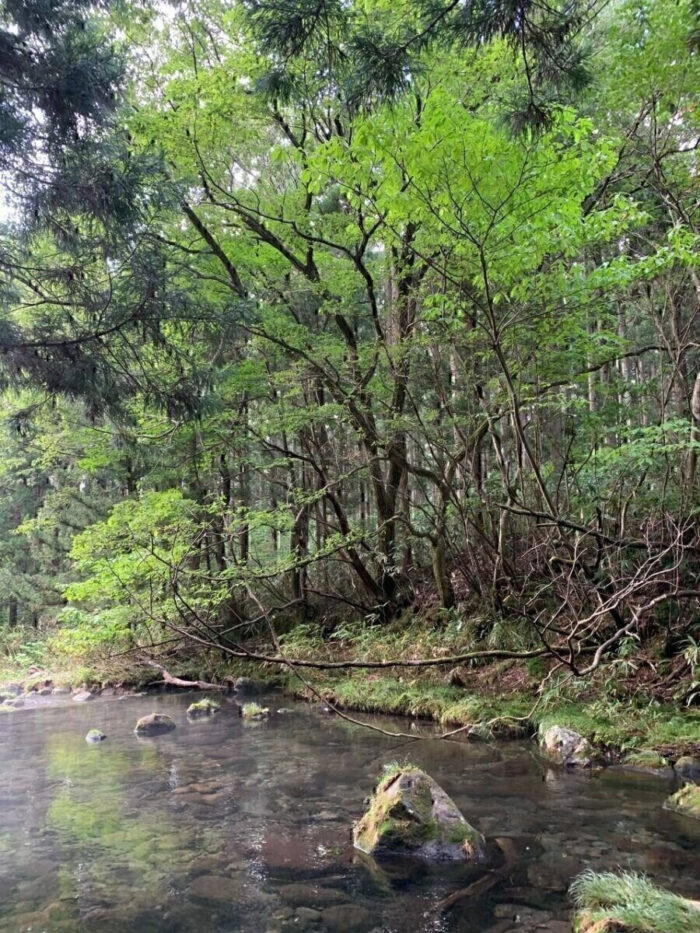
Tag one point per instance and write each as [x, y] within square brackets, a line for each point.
[225, 825]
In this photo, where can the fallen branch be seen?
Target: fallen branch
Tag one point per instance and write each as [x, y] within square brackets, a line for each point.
[173, 681]
[484, 883]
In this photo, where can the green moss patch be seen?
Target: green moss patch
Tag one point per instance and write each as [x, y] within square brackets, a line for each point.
[685, 801]
[202, 708]
[254, 711]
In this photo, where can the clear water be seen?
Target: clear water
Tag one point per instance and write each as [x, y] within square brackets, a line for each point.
[223, 826]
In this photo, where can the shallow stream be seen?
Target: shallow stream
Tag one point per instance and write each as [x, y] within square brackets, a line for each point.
[224, 826]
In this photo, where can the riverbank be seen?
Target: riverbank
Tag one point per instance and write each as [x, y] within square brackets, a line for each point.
[624, 710]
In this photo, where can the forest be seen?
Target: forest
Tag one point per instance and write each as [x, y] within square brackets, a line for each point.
[350, 419]
[352, 333]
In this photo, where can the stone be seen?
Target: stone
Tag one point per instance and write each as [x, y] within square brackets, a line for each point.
[309, 895]
[246, 685]
[94, 736]
[346, 918]
[410, 814]
[202, 708]
[307, 914]
[82, 696]
[14, 703]
[566, 747]
[60, 691]
[154, 724]
[456, 678]
[216, 889]
[688, 768]
[685, 801]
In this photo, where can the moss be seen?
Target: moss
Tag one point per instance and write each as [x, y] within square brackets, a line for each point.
[685, 801]
[629, 903]
[254, 711]
[646, 758]
[410, 814]
[204, 707]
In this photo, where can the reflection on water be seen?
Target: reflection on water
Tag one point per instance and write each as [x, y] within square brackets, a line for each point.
[223, 826]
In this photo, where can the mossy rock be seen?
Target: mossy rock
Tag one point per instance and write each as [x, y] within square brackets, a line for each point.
[685, 801]
[154, 724]
[410, 814]
[94, 736]
[202, 708]
[254, 711]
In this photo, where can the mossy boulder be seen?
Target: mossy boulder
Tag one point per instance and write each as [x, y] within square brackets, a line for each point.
[202, 708]
[685, 801]
[567, 747]
[254, 711]
[410, 814]
[94, 736]
[154, 724]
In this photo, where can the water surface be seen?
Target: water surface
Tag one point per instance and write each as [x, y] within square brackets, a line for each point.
[224, 826]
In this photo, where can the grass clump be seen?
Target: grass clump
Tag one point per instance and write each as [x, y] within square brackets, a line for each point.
[254, 711]
[629, 902]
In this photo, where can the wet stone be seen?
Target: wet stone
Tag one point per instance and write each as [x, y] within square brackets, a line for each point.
[154, 724]
[82, 696]
[216, 889]
[309, 895]
[346, 918]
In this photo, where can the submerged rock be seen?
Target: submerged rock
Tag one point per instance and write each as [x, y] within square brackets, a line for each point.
[154, 724]
[94, 735]
[685, 801]
[60, 691]
[410, 814]
[13, 703]
[346, 918]
[216, 889]
[567, 747]
[202, 708]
